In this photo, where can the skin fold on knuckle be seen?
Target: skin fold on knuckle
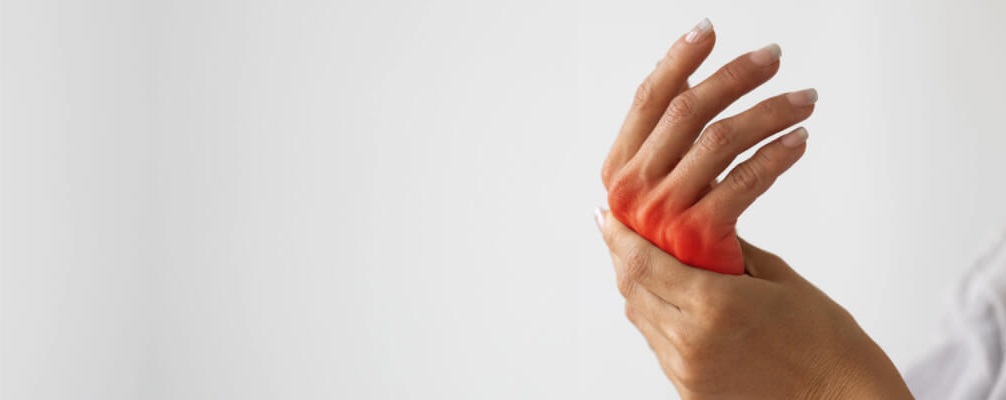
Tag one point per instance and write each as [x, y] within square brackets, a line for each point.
[608, 170]
[643, 98]
[650, 212]
[718, 308]
[626, 286]
[681, 107]
[623, 192]
[631, 314]
[637, 263]
[733, 75]
[714, 315]
[677, 336]
[745, 177]
[695, 370]
[717, 137]
[773, 109]
[771, 161]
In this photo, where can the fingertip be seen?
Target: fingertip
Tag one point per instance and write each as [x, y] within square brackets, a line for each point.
[701, 37]
[700, 31]
[767, 55]
[802, 98]
[600, 216]
[796, 138]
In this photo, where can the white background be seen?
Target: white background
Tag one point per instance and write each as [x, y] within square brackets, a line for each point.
[313, 200]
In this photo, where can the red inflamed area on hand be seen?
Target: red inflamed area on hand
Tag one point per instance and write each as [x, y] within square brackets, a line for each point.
[661, 173]
[693, 236]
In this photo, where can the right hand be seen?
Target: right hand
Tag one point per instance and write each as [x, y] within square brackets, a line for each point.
[768, 334]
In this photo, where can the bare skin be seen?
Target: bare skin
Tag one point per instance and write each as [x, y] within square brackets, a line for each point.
[768, 334]
[764, 334]
[661, 172]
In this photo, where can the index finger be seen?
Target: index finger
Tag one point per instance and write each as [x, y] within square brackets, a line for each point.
[667, 80]
[659, 272]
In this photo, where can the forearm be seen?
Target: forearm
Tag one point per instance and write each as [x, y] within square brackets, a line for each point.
[866, 373]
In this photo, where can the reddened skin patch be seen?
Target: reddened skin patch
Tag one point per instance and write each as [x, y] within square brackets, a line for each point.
[691, 235]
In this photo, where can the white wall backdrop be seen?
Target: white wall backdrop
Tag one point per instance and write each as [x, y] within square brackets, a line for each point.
[388, 199]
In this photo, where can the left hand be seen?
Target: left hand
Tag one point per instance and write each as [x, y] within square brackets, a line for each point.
[658, 180]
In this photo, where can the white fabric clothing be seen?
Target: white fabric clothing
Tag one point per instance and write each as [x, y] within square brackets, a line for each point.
[969, 363]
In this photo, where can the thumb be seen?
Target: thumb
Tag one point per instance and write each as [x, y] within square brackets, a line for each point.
[763, 264]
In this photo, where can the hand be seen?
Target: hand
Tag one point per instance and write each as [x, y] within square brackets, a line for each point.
[766, 335]
[663, 186]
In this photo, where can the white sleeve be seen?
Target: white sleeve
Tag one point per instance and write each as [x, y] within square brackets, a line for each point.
[968, 364]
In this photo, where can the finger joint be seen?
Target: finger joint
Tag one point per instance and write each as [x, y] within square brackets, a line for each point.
[682, 106]
[717, 137]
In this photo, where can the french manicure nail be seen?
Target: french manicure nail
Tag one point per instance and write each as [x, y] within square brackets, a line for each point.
[599, 217]
[700, 31]
[766, 55]
[802, 98]
[795, 138]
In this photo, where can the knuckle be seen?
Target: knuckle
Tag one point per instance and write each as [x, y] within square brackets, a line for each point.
[716, 138]
[720, 310]
[732, 74]
[769, 108]
[637, 264]
[767, 160]
[644, 94]
[693, 352]
[773, 258]
[607, 172]
[694, 374]
[631, 314]
[682, 106]
[746, 176]
[678, 338]
[695, 364]
[716, 315]
[626, 286]
[650, 212]
[623, 190]
[688, 223]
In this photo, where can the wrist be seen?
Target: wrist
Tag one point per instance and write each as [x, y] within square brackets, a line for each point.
[873, 376]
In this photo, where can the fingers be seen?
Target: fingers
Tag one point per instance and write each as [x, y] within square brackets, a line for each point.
[644, 264]
[669, 78]
[751, 178]
[656, 339]
[653, 317]
[644, 301]
[724, 140]
[691, 110]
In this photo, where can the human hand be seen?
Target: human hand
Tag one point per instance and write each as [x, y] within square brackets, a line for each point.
[768, 334]
[663, 186]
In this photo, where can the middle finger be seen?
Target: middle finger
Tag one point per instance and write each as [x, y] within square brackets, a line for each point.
[724, 140]
[691, 110]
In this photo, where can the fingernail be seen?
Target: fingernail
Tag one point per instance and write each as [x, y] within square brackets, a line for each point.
[700, 31]
[795, 138]
[767, 55]
[802, 98]
[599, 218]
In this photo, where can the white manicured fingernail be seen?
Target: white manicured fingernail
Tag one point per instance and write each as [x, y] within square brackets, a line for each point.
[795, 138]
[599, 218]
[700, 31]
[766, 55]
[802, 98]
